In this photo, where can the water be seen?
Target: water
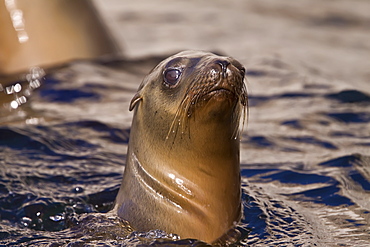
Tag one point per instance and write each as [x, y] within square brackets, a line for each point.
[305, 159]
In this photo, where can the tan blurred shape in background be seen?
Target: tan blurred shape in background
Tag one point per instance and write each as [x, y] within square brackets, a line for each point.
[46, 33]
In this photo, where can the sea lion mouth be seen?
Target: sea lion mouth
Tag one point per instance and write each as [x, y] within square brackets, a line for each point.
[225, 91]
[201, 93]
[232, 90]
[218, 94]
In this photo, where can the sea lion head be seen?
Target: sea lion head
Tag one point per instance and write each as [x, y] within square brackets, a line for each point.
[194, 84]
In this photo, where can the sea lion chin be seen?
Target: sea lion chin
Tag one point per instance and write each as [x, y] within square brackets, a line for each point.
[182, 170]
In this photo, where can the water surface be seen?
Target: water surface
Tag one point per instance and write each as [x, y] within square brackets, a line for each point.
[305, 159]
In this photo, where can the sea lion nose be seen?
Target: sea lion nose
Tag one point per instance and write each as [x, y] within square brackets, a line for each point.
[223, 64]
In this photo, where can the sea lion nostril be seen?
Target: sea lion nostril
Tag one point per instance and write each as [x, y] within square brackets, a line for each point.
[223, 64]
[242, 71]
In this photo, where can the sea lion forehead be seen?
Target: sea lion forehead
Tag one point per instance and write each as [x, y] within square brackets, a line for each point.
[186, 59]
[193, 53]
[192, 56]
[198, 59]
[183, 62]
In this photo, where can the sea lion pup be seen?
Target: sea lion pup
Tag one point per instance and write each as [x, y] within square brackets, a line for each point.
[182, 171]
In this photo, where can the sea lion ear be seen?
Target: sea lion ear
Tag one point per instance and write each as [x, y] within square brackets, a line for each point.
[136, 99]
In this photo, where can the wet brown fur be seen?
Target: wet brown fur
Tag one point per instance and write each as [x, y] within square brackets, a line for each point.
[182, 171]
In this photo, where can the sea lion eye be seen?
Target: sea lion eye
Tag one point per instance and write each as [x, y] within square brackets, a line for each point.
[171, 76]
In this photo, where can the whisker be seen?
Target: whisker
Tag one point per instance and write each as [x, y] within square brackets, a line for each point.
[177, 119]
[194, 94]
